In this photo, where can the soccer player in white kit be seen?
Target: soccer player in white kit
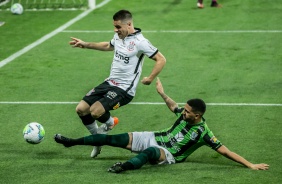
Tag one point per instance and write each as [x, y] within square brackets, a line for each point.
[130, 48]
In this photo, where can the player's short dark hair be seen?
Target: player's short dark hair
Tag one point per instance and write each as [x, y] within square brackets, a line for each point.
[122, 15]
[198, 105]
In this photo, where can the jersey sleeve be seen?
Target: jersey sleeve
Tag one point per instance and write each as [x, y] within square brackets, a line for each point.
[112, 42]
[177, 111]
[147, 48]
[212, 141]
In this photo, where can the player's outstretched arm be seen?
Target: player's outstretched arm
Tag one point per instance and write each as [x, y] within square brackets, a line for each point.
[169, 102]
[223, 150]
[160, 63]
[103, 46]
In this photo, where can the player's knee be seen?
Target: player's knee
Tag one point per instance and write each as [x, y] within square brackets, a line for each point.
[82, 109]
[94, 114]
[97, 111]
[153, 153]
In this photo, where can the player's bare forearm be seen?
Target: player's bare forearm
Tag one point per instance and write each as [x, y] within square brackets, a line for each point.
[171, 104]
[237, 158]
[103, 46]
[157, 68]
[160, 63]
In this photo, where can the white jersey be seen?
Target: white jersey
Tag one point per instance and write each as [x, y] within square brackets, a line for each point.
[129, 55]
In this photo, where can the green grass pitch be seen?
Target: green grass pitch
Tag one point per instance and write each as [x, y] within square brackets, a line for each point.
[222, 55]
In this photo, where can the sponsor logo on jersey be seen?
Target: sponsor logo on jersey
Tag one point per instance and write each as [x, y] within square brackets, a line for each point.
[213, 139]
[173, 140]
[116, 106]
[176, 148]
[121, 56]
[113, 82]
[179, 137]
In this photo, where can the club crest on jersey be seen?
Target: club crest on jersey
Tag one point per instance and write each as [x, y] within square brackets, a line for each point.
[130, 47]
[122, 56]
[116, 106]
[194, 135]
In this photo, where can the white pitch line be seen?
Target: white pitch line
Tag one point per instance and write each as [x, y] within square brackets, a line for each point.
[46, 37]
[212, 104]
[179, 31]
[143, 103]
[224, 31]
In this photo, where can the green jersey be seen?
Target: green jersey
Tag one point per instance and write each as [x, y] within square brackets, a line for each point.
[182, 139]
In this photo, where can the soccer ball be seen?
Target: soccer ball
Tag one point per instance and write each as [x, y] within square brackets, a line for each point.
[17, 9]
[33, 133]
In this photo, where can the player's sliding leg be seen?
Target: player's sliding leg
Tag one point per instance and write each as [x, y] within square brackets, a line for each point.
[67, 142]
[151, 154]
[119, 140]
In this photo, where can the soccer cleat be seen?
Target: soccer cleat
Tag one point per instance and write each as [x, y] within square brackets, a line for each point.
[200, 5]
[215, 4]
[104, 129]
[116, 168]
[63, 140]
[96, 151]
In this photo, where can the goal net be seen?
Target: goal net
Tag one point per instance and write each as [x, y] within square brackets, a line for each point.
[49, 4]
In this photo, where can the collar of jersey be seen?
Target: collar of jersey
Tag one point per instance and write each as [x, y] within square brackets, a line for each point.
[200, 123]
[137, 30]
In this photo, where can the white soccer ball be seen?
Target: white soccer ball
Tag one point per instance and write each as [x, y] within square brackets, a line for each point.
[17, 9]
[33, 133]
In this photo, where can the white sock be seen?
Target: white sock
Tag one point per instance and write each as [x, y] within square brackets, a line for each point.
[110, 121]
[92, 128]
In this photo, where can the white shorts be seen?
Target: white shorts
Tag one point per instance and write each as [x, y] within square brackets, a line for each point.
[144, 140]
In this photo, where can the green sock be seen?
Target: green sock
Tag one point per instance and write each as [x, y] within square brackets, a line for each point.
[79, 141]
[119, 140]
[149, 154]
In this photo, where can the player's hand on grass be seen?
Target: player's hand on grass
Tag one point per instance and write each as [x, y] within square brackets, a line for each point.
[75, 42]
[259, 166]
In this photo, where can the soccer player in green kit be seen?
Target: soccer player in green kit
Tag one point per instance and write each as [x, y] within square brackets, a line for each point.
[168, 146]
